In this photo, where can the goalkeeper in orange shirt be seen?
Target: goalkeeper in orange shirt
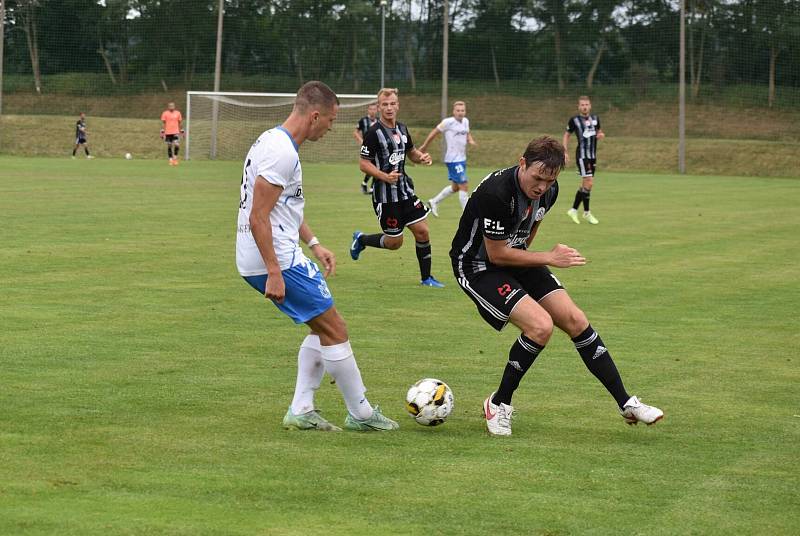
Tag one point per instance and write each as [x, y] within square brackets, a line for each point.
[171, 132]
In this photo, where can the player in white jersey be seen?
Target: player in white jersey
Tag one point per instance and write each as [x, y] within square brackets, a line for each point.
[269, 257]
[456, 137]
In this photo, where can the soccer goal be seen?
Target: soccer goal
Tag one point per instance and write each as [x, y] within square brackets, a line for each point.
[223, 125]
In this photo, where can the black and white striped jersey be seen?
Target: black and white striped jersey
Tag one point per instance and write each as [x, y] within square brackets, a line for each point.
[496, 210]
[387, 149]
[363, 125]
[585, 129]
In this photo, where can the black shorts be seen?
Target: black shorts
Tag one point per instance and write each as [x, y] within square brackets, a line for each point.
[173, 138]
[80, 141]
[495, 293]
[393, 217]
[586, 166]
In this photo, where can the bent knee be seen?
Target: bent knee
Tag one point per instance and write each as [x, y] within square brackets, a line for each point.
[538, 327]
[392, 242]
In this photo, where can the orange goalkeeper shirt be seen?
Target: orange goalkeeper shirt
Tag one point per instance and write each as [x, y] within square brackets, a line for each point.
[172, 122]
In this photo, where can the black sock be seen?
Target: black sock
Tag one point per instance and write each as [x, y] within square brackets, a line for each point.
[74, 150]
[597, 359]
[86, 150]
[169, 151]
[176, 150]
[366, 180]
[586, 195]
[578, 199]
[424, 258]
[520, 358]
[371, 240]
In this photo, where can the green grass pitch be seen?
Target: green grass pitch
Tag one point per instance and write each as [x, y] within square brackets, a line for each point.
[143, 382]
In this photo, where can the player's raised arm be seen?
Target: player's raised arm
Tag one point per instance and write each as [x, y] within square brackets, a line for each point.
[565, 143]
[265, 196]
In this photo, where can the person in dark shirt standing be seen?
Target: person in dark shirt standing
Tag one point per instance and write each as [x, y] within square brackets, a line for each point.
[383, 156]
[586, 127]
[80, 136]
[361, 132]
[509, 283]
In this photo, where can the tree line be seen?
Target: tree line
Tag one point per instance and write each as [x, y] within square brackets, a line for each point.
[556, 42]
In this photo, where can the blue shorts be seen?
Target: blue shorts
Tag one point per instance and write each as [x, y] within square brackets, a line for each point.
[457, 172]
[307, 293]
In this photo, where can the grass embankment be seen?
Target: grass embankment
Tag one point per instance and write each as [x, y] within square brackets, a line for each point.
[627, 147]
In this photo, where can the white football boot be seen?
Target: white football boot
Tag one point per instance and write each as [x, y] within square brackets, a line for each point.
[498, 417]
[634, 412]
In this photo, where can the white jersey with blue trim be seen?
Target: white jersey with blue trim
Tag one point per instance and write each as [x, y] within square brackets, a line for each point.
[274, 157]
[455, 135]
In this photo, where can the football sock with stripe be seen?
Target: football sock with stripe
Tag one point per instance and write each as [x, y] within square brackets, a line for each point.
[309, 375]
[586, 195]
[424, 258]
[578, 199]
[340, 363]
[372, 240]
[520, 358]
[598, 360]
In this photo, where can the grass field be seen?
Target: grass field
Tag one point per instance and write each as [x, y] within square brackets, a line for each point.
[143, 382]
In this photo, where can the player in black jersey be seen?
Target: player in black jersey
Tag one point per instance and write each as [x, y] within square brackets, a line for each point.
[586, 127]
[508, 283]
[383, 156]
[80, 136]
[361, 132]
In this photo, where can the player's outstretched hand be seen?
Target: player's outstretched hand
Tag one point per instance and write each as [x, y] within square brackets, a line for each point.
[423, 148]
[163, 134]
[327, 258]
[276, 288]
[425, 158]
[565, 257]
[392, 177]
[601, 135]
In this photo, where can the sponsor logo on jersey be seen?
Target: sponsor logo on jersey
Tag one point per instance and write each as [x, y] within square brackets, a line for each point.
[298, 192]
[539, 214]
[396, 158]
[364, 150]
[491, 226]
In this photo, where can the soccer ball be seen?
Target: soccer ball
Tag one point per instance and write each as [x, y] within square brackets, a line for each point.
[128, 156]
[429, 401]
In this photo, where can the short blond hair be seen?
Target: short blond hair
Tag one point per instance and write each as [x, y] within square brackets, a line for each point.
[459, 103]
[388, 91]
[584, 97]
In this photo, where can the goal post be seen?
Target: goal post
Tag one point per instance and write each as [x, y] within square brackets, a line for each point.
[227, 123]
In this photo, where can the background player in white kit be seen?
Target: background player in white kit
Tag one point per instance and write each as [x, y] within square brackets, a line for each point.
[269, 258]
[456, 136]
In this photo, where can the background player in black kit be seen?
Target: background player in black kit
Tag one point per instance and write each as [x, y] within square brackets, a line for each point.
[383, 157]
[361, 132]
[508, 283]
[586, 127]
[80, 136]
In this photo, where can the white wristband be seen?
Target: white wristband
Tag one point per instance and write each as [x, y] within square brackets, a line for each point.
[313, 242]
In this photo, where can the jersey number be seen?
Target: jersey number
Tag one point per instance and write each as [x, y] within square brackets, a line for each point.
[243, 188]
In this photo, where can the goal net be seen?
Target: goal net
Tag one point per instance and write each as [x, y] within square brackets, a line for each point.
[223, 125]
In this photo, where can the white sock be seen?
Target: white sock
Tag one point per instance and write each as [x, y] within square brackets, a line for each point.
[309, 375]
[463, 197]
[340, 363]
[441, 196]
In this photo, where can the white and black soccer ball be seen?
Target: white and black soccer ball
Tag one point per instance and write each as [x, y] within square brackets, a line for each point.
[128, 156]
[429, 401]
